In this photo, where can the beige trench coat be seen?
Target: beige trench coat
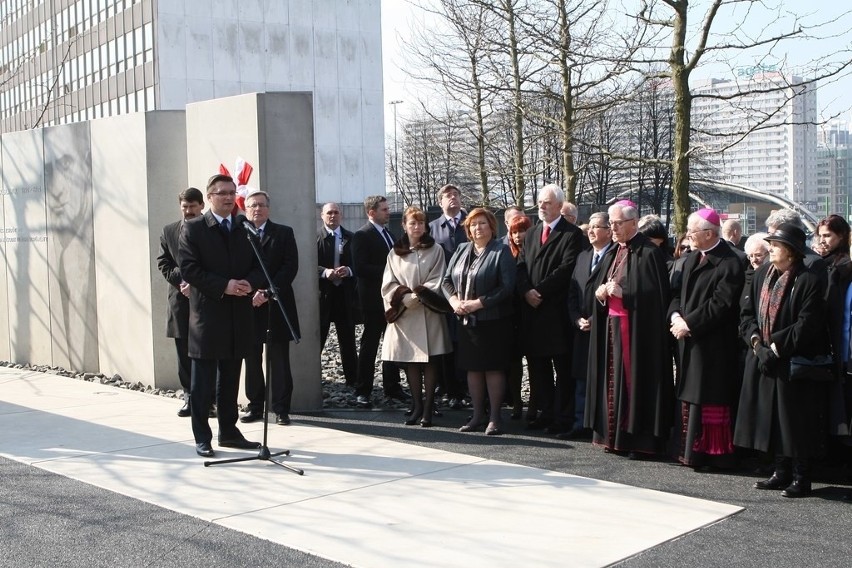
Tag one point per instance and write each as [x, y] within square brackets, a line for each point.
[419, 332]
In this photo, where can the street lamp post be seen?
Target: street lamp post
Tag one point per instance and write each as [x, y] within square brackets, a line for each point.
[395, 147]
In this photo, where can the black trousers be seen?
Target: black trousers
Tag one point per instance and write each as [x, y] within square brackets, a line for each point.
[333, 308]
[374, 328]
[555, 402]
[222, 377]
[184, 363]
[280, 374]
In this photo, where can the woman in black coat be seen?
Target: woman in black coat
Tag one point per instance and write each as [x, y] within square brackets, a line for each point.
[784, 317]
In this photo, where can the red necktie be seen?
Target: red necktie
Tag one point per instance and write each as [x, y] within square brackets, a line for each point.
[545, 233]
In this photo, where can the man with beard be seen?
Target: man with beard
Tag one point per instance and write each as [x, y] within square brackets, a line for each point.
[629, 391]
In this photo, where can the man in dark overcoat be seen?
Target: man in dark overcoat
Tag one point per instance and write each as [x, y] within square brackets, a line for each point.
[217, 261]
[177, 323]
[337, 287]
[629, 391]
[704, 317]
[544, 273]
[278, 245]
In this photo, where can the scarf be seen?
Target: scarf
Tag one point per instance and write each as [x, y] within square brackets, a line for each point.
[775, 288]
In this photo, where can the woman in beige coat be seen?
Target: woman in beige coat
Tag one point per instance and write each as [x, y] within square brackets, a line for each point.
[415, 333]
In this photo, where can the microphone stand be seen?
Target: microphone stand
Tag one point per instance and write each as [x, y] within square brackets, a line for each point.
[272, 295]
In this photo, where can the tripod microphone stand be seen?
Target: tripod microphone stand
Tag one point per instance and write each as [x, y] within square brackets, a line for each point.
[272, 296]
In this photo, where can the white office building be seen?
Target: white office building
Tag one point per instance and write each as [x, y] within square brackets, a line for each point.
[779, 154]
[65, 61]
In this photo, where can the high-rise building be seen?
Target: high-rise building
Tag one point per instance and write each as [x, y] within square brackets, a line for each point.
[65, 61]
[765, 140]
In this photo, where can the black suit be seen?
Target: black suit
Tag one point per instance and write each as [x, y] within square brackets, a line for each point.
[546, 330]
[221, 327]
[282, 261]
[580, 297]
[336, 300]
[369, 257]
[177, 323]
[453, 381]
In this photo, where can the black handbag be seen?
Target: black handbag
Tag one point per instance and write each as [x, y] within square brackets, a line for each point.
[819, 369]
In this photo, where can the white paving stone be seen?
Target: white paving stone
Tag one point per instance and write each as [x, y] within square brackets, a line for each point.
[363, 501]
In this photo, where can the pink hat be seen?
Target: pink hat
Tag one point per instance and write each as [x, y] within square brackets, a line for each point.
[625, 203]
[709, 215]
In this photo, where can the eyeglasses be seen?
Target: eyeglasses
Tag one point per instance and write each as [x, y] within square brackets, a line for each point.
[599, 227]
[690, 233]
[616, 223]
[223, 193]
[684, 248]
[257, 206]
[756, 255]
[332, 213]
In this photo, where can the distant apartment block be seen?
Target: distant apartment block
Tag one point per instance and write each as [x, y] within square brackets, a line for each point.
[777, 128]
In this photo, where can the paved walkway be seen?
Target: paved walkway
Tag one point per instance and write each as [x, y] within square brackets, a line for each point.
[364, 501]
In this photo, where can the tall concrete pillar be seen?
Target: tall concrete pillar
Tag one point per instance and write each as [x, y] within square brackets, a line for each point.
[274, 133]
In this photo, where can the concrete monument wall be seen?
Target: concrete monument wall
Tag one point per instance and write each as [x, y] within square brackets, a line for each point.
[274, 133]
[139, 167]
[82, 206]
[26, 251]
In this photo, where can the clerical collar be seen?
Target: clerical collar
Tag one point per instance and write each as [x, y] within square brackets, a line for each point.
[705, 251]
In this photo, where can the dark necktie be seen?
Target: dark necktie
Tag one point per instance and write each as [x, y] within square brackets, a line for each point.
[388, 238]
[595, 260]
[260, 233]
[225, 225]
[545, 233]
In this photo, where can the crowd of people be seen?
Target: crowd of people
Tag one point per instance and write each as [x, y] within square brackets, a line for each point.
[700, 352]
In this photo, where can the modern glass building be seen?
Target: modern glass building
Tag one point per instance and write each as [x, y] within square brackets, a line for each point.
[64, 61]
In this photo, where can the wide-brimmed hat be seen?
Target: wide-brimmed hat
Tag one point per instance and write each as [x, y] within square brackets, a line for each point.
[790, 235]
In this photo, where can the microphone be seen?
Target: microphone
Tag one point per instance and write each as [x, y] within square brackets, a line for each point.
[248, 227]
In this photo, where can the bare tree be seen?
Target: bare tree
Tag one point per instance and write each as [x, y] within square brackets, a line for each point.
[691, 43]
[452, 57]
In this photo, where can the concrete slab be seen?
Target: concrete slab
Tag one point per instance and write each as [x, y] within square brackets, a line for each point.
[363, 501]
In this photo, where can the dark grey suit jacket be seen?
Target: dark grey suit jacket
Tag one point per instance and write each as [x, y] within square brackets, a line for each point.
[168, 261]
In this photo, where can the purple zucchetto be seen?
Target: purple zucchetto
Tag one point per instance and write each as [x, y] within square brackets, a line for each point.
[709, 215]
[625, 203]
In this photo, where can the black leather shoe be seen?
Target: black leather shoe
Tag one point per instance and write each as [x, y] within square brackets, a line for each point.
[773, 482]
[251, 416]
[212, 412]
[799, 488]
[204, 450]
[282, 419]
[184, 411]
[575, 434]
[239, 443]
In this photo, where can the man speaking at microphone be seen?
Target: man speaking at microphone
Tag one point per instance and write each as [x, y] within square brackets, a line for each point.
[217, 261]
[278, 243]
